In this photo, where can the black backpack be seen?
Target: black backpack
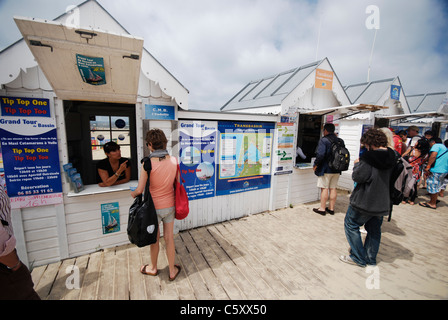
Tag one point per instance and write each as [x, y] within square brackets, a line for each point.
[339, 159]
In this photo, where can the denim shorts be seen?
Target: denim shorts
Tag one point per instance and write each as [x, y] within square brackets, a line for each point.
[166, 215]
[434, 182]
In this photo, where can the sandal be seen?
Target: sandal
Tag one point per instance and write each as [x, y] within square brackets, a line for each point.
[143, 271]
[178, 268]
[426, 205]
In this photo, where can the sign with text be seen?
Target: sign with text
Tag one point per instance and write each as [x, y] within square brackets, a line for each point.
[110, 217]
[324, 79]
[91, 69]
[245, 150]
[24, 107]
[31, 161]
[197, 142]
[155, 112]
[395, 92]
[285, 148]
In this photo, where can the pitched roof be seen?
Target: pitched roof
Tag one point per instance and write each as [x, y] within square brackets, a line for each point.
[270, 91]
[425, 102]
[368, 92]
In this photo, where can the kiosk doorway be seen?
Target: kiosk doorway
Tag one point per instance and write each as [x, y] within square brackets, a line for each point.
[309, 133]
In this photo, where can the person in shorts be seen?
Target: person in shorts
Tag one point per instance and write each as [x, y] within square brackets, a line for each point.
[162, 177]
[435, 171]
[327, 179]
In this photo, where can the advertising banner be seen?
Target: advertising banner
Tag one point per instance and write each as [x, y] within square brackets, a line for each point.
[395, 92]
[91, 69]
[110, 217]
[31, 159]
[324, 79]
[25, 107]
[285, 151]
[244, 156]
[197, 144]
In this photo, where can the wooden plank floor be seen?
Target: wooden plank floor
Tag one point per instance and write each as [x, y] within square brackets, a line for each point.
[285, 254]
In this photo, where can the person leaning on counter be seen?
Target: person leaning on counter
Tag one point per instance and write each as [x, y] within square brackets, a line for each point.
[115, 169]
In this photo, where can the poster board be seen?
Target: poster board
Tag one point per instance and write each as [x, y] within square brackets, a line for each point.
[29, 145]
[197, 145]
[245, 154]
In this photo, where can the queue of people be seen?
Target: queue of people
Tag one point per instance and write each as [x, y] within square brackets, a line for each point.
[370, 199]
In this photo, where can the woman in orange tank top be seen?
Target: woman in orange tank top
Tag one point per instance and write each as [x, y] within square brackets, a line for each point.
[162, 176]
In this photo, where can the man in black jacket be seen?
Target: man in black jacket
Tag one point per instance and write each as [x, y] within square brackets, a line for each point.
[327, 178]
[370, 200]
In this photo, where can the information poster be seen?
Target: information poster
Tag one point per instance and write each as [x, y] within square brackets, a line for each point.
[197, 144]
[324, 79]
[244, 156]
[30, 154]
[91, 69]
[285, 148]
[110, 217]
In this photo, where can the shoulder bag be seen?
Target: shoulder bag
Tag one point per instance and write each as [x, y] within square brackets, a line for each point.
[182, 208]
[142, 222]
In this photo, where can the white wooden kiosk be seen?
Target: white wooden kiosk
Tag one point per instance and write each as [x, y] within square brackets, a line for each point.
[43, 65]
[138, 94]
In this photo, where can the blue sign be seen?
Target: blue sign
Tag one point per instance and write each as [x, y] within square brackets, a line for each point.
[25, 107]
[110, 217]
[245, 153]
[197, 145]
[91, 69]
[30, 156]
[395, 92]
[156, 112]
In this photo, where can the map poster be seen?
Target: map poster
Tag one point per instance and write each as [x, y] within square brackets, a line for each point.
[110, 217]
[245, 150]
[197, 144]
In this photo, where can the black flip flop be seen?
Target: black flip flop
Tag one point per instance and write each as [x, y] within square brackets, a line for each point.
[426, 205]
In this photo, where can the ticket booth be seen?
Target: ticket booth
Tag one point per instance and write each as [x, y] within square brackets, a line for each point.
[67, 89]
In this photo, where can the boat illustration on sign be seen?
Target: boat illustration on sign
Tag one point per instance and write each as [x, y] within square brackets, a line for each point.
[91, 69]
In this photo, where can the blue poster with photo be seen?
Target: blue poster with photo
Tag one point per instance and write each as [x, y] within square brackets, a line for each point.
[395, 92]
[197, 144]
[110, 217]
[91, 69]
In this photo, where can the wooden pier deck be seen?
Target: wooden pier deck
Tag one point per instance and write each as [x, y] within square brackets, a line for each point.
[285, 254]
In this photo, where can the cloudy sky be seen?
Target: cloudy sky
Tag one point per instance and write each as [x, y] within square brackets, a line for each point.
[215, 47]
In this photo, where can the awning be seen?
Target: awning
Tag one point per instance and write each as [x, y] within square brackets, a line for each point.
[409, 117]
[83, 64]
[349, 110]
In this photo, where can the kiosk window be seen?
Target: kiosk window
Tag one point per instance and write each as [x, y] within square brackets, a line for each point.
[90, 125]
[109, 128]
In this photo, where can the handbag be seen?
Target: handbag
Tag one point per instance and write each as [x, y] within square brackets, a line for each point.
[142, 221]
[182, 208]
